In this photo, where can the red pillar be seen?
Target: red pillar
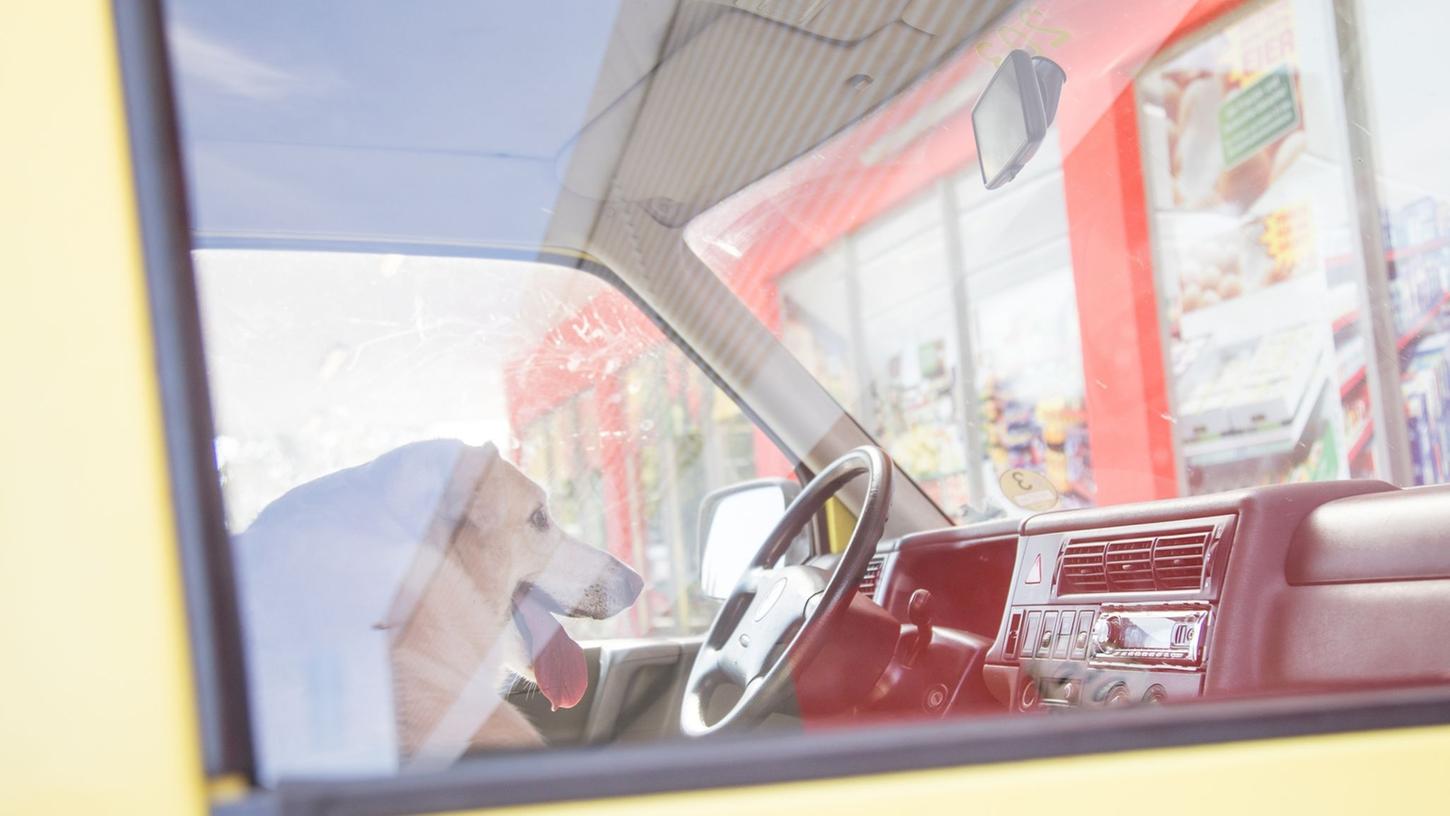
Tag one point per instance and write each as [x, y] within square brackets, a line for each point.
[1123, 365]
[769, 461]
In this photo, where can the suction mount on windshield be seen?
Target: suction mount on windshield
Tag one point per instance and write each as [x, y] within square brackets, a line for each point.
[1013, 113]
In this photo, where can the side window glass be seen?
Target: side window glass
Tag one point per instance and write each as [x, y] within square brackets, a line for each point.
[628, 450]
[443, 471]
[465, 493]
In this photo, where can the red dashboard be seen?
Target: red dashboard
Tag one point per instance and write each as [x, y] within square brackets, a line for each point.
[1265, 590]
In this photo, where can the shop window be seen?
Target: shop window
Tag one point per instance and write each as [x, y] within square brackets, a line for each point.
[1402, 106]
[1259, 289]
[1027, 352]
[948, 324]
[960, 348]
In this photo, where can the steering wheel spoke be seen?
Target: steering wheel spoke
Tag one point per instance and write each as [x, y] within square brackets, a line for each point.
[751, 580]
[789, 605]
[707, 662]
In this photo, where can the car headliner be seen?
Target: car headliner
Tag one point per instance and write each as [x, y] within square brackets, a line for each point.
[517, 122]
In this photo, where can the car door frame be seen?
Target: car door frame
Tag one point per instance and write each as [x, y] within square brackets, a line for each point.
[966, 748]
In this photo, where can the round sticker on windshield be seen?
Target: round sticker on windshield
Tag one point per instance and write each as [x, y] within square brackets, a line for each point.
[1028, 489]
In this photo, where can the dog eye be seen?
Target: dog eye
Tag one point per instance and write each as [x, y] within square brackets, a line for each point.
[539, 519]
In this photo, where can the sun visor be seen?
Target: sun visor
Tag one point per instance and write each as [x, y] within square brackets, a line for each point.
[740, 91]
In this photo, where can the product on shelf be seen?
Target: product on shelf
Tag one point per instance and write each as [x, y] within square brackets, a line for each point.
[1048, 436]
[1427, 409]
[917, 418]
[1257, 385]
[1417, 238]
[1418, 252]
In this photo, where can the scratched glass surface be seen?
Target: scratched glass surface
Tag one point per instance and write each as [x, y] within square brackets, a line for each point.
[428, 243]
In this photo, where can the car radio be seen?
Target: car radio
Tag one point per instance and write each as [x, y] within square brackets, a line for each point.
[1167, 636]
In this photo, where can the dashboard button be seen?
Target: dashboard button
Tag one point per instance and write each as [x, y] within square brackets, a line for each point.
[1030, 632]
[1049, 629]
[1029, 697]
[935, 698]
[1084, 634]
[1064, 635]
[1115, 695]
[1014, 631]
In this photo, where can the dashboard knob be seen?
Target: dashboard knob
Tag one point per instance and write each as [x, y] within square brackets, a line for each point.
[919, 613]
[1115, 696]
[1115, 629]
[919, 608]
[1029, 697]
[1107, 633]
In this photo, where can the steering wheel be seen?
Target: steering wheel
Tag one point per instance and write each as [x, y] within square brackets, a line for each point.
[768, 604]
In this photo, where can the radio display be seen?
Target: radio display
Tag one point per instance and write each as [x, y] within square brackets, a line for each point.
[1150, 635]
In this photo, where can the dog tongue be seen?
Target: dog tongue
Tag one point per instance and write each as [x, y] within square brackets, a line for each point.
[558, 661]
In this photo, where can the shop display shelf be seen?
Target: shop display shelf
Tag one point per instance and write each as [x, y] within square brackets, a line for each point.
[1393, 255]
[1269, 442]
[1404, 253]
[1361, 440]
[1357, 378]
[1352, 382]
[1418, 327]
[1269, 309]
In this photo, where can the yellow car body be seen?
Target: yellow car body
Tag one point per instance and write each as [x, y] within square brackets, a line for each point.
[97, 703]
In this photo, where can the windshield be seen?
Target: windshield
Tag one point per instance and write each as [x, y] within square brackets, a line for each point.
[1222, 268]
[1225, 266]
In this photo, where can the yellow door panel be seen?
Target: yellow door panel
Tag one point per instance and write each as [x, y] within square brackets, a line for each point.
[840, 521]
[96, 704]
[1399, 771]
[97, 712]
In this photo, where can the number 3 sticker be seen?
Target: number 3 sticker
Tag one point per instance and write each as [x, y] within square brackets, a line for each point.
[1028, 489]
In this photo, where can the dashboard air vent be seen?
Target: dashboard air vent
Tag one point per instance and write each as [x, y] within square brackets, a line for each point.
[1080, 568]
[1178, 560]
[1138, 564]
[872, 576]
[1129, 565]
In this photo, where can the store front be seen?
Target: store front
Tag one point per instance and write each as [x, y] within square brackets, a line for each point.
[1206, 279]
[629, 435]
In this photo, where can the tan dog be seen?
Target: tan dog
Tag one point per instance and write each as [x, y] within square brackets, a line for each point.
[383, 606]
[486, 601]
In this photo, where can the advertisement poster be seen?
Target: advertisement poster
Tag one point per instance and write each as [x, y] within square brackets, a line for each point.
[1247, 207]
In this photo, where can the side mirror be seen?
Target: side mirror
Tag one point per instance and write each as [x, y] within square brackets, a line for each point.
[1013, 113]
[734, 522]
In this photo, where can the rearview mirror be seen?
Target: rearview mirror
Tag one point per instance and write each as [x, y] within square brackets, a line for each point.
[734, 522]
[1013, 113]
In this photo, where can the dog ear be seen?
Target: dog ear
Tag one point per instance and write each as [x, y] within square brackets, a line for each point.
[472, 471]
[467, 470]
[411, 483]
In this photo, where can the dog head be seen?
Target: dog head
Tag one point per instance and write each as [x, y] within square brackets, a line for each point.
[520, 570]
[509, 512]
